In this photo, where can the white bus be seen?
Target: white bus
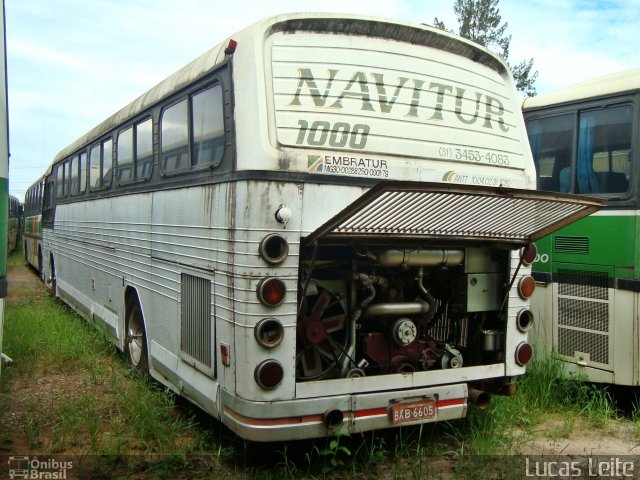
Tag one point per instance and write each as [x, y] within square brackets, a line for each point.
[319, 225]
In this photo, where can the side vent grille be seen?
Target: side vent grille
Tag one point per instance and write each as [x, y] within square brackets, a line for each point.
[196, 337]
[576, 245]
[583, 316]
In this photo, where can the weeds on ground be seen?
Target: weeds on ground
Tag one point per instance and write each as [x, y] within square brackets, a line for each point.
[108, 410]
[74, 394]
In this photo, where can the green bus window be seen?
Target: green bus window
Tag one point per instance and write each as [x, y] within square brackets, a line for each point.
[551, 142]
[604, 150]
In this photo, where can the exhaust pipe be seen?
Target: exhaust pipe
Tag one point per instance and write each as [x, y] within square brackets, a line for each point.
[418, 258]
[479, 398]
[395, 309]
[332, 419]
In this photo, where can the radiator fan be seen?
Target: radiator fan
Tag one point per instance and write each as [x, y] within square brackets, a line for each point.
[322, 332]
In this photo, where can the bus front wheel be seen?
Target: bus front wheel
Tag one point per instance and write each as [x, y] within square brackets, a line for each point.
[136, 341]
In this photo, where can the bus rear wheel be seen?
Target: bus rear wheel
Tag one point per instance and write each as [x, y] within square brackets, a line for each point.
[136, 341]
[40, 266]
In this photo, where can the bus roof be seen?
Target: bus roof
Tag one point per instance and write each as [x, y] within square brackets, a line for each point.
[346, 24]
[621, 82]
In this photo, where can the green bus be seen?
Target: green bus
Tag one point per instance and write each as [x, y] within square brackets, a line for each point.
[585, 140]
[4, 178]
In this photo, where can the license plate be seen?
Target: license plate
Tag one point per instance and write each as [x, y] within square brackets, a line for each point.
[413, 411]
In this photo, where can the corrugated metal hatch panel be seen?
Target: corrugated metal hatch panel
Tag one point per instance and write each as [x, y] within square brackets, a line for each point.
[426, 211]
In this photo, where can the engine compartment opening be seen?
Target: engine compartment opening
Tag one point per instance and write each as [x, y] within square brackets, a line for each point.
[380, 309]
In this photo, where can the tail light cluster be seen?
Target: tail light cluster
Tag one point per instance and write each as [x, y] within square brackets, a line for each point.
[271, 291]
[524, 319]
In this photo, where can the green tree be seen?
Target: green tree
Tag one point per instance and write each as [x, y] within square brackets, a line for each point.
[480, 22]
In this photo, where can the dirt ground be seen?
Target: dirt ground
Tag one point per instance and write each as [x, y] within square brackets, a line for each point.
[552, 437]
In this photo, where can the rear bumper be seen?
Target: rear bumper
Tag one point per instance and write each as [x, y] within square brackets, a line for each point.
[303, 418]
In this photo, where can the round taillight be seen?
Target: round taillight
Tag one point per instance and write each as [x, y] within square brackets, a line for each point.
[269, 374]
[524, 352]
[524, 320]
[269, 332]
[273, 249]
[526, 287]
[271, 291]
[529, 254]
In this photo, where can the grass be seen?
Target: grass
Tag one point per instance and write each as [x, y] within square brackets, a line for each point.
[69, 391]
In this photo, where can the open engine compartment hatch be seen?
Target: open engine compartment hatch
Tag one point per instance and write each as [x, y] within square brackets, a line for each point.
[422, 211]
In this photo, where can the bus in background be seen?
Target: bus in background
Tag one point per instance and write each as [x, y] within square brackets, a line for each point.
[14, 223]
[4, 176]
[585, 140]
[311, 228]
[32, 224]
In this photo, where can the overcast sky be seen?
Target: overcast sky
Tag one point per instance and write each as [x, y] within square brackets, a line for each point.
[72, 63]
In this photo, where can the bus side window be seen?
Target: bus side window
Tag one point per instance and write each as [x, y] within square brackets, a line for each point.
[107, 163]
[208, 127]
[83, 172]
[175, 137]
[144, 149]
[94, 168]
[124, 156]
[74, 185]
[61, 179]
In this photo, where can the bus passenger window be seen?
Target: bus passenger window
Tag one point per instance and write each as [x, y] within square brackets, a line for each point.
[61, 177]
[175, 138]
[208, 126]
[604, 148]
[124, 158]
[107, 163]
[74, 185]
[551, 142]
[94, 168]
[144, 149]
[83, 172]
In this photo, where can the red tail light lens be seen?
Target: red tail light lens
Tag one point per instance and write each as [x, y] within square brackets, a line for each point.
[529, 254]
[524, 353]
[526, 287]
[269, 374]
[271, 291]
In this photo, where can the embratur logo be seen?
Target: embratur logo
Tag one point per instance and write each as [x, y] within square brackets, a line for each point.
[449, 176]
[315, 163]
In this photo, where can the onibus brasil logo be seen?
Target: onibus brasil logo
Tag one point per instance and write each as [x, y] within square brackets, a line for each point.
[32, 468]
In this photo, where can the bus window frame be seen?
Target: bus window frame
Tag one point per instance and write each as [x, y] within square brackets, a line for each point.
[193, 168]
[61, 185]
[622, 199]
[100, 146]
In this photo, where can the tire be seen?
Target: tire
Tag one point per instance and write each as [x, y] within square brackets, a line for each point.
[52, 281]
[136, 341]
[40, 266]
